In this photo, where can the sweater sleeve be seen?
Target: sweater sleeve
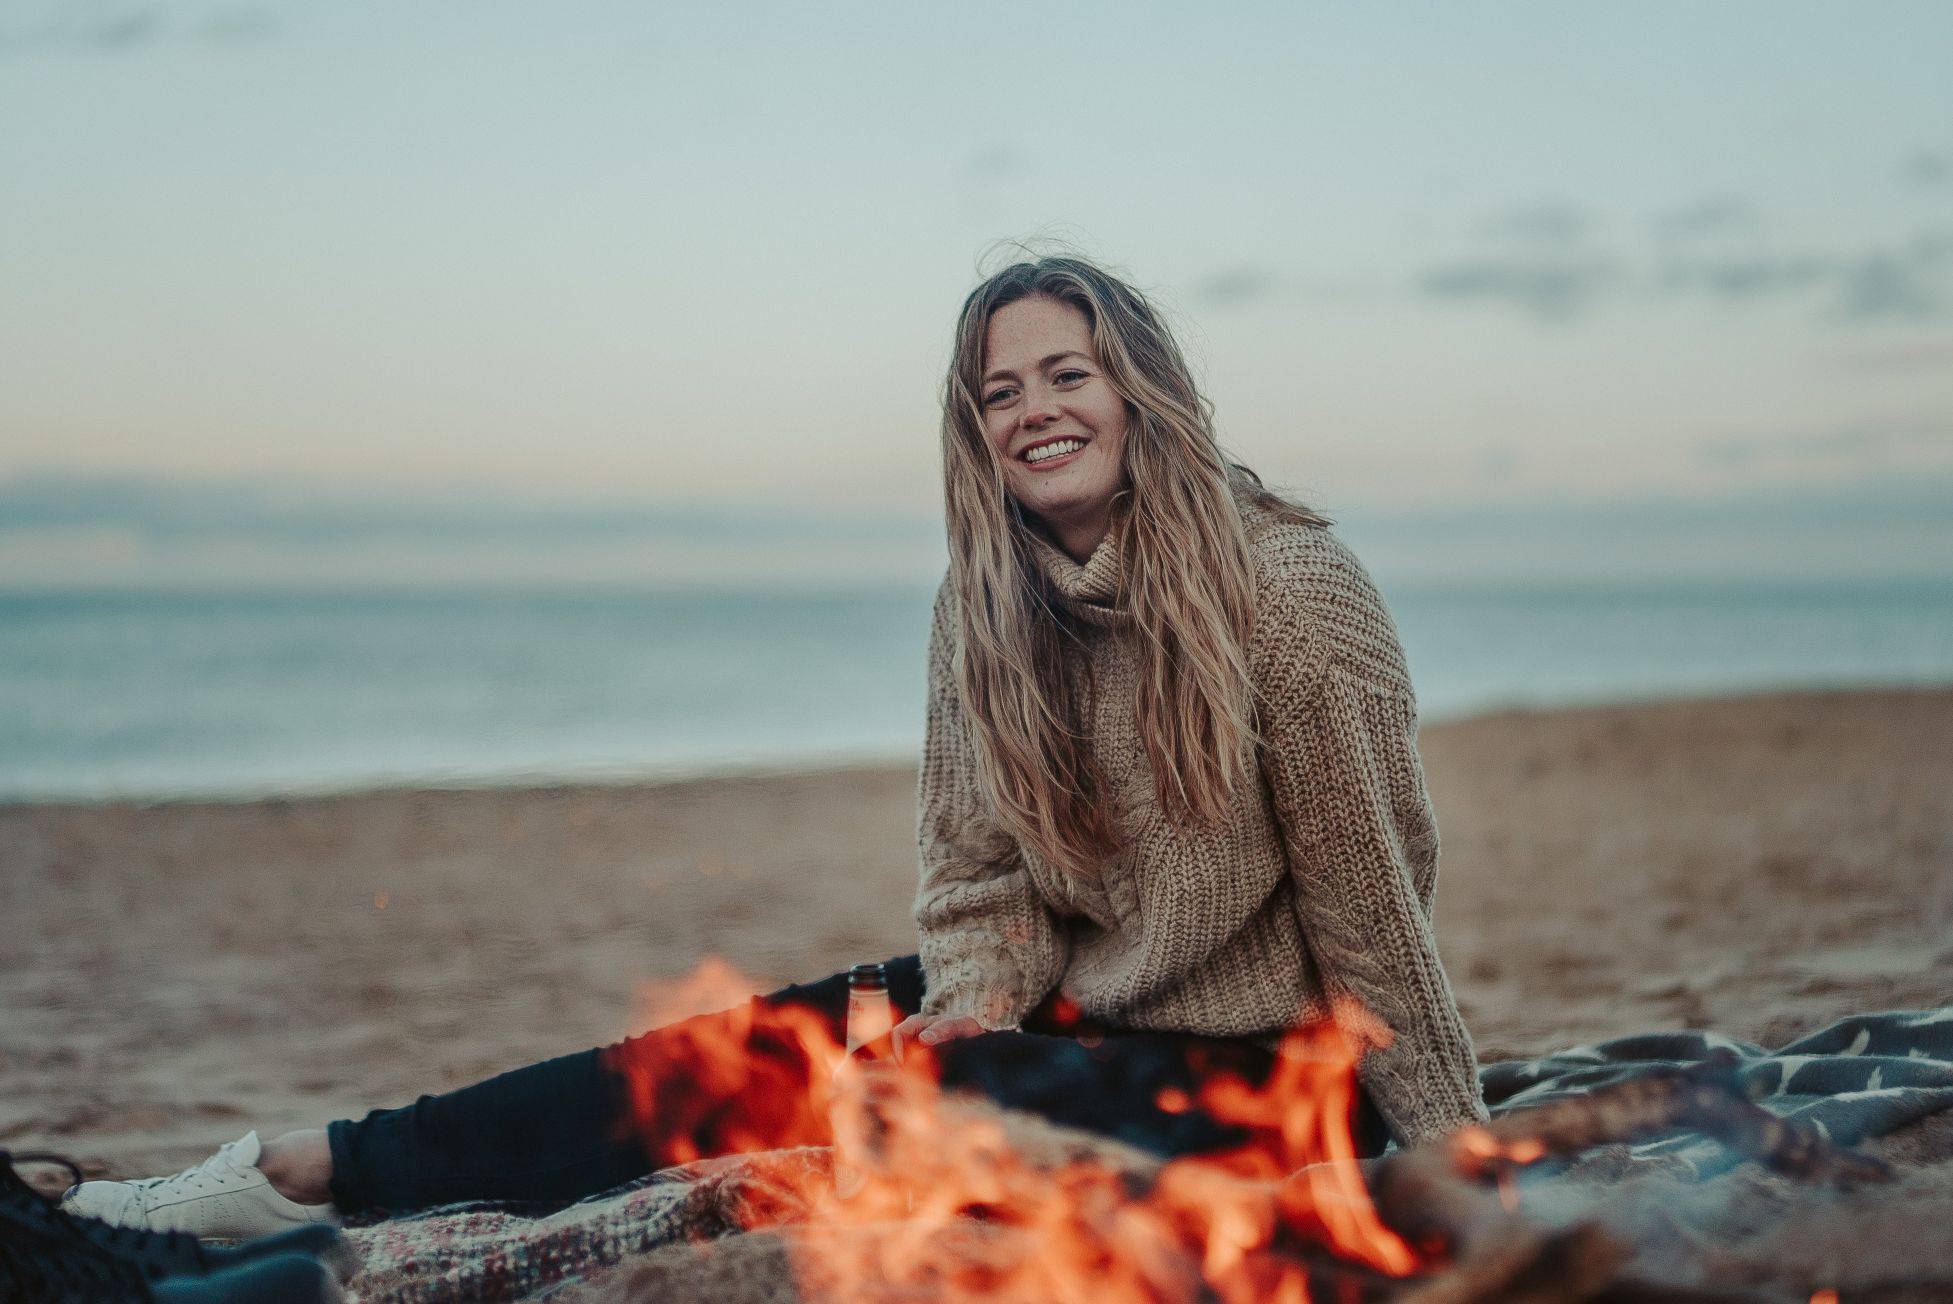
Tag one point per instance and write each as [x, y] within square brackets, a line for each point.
[1340, 732]
[990, 946]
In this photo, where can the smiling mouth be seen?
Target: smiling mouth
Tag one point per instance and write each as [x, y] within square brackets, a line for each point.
[1052, 451]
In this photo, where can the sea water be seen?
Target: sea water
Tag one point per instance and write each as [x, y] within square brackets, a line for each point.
[236, 694]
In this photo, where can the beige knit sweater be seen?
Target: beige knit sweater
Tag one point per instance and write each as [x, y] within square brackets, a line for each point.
[1320, 882]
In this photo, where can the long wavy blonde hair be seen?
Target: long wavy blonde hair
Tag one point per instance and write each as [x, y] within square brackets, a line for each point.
[1188, 584]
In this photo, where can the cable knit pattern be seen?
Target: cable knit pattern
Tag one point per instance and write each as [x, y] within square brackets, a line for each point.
[1319, 883]
[989, 944]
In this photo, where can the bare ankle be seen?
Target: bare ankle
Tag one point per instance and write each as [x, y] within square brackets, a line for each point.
[299, 1166]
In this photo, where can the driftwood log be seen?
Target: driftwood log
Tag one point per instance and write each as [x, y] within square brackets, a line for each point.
[1449, 1197]
[1705, 1098]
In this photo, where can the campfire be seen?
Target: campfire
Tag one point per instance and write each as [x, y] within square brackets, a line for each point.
[951, 1198]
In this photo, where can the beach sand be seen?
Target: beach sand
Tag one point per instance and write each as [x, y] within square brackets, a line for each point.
[177, 973]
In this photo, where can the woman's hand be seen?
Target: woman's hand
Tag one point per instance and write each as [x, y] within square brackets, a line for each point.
[934, 1029]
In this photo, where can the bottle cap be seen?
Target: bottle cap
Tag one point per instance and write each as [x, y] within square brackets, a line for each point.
[870, 976]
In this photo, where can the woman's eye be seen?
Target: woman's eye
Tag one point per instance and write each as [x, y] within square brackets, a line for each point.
[994, 395]
[1061, 375]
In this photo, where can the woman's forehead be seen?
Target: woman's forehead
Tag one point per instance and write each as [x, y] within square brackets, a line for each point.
[1026, 332]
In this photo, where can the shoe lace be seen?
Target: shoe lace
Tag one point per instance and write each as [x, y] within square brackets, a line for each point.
[220, 1169]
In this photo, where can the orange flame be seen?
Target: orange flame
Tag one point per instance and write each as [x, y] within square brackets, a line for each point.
[752, 1077]
[1477, 1152]
[924, 1165]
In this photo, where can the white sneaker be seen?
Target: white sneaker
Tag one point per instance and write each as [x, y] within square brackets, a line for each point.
[223, 1198]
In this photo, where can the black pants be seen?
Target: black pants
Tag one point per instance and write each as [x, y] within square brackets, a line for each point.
[568, 1127]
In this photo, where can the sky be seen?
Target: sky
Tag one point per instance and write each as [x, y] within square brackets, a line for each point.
[613, 291]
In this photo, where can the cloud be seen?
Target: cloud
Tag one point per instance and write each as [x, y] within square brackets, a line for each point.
[95, 27]
[1745, 276]
[275, 511]
[1892, 529]
[1244, 283]
[1541, 261]
[1894, 359]
[1906, 282]
[1545, 265]
[1554, 287]
[1710, 216]
[1551, 222]
[1234, 285]
[94, 530]
[1929, 168]
[1878, 283]
[122, 31]
[1864, 442]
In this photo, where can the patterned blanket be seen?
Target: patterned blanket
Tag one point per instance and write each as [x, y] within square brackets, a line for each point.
[1859, 1078]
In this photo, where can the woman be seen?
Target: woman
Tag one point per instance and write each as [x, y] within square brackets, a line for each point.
[1170, 796]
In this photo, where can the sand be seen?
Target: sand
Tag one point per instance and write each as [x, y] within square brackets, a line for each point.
[173, 974]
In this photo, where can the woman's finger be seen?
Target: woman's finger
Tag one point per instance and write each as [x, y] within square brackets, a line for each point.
[906, 1031]
[961, 1025]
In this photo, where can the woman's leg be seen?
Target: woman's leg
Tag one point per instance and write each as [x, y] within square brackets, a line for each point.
[1108, 1081]
[582, 1123]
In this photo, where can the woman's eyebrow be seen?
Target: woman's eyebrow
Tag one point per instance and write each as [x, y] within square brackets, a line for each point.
[1001, 372]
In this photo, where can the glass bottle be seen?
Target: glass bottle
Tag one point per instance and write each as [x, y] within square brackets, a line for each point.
[870, 1019]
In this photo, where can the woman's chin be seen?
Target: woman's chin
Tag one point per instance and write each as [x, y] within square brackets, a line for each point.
[1062, 500]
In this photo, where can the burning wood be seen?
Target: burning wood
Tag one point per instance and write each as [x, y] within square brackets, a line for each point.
[952, 1198]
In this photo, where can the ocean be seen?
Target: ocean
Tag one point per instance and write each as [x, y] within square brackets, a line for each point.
[162, 695]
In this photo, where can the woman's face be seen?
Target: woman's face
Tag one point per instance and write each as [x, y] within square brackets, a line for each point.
[1056, 423]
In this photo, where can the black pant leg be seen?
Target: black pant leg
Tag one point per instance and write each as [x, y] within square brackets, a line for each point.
[540, 1132]
[1109, 1083]
[582, 1123]
[572, 1126]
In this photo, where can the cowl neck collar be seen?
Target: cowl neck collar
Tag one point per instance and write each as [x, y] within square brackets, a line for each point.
[1092, 591]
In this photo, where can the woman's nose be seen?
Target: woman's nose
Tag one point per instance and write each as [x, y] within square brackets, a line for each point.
[1040, 407]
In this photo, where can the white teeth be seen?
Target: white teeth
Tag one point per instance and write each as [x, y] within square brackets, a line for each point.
[1058, 449]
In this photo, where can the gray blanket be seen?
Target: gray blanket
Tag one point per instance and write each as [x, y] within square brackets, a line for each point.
[1861, 1077]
